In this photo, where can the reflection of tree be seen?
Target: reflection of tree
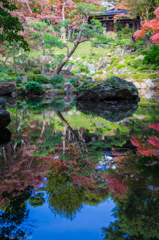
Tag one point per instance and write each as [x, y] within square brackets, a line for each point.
[14, 222]
[137, 217]
[63, 198]
[38, 200]
[137, 213]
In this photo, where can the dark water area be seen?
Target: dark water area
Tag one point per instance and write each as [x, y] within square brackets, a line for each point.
[74, 170]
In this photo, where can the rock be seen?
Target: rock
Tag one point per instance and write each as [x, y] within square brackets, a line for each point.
[68, 99]
[5, 137]
[68, 87]
[126, 47]
[143, 85]
[48, 86]
[4, 118]
[10, 100]
[91, 68]
[7, 87]
[47, 101]
[2, 103]
[137, 85]
[140, 57]
[150, 84]
[150, 94]
[112, 89]
[113, 112]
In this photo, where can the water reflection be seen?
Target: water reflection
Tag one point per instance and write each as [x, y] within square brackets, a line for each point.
[67, 160]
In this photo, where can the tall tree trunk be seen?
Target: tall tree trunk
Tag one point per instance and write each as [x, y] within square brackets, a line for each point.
[63, 30]
[15, 64]
[59, 68]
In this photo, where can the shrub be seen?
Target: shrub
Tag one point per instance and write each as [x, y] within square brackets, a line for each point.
[152, 56]
[73, 82]
[127, 30]
[19, 80]
[136, 63]
[153, 66]
[57, 79]
[120, 66]
[37, 78]
[41, 79]
[36, 70]
[22, 74]
[33, 87]
[26, 68]
[31, 77]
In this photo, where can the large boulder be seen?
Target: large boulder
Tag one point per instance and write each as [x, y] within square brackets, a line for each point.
[4, 115]
[7, 87]
[111, 111]
[114, 88]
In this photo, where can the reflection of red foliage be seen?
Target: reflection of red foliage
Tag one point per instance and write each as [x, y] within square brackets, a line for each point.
[149, 149]
[115, 185]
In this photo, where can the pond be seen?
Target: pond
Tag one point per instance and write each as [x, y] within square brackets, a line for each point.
[73, 170]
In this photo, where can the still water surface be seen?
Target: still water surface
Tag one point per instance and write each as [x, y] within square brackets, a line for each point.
[80, 171]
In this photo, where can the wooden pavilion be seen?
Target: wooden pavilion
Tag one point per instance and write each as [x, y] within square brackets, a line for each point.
[108, 19]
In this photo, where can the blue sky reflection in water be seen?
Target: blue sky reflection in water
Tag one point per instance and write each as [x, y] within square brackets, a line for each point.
[87, 223]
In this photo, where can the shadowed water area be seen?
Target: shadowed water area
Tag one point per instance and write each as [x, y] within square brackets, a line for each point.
[78, 170]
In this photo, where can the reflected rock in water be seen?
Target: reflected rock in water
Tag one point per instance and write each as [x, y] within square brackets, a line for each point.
[5, 137]
[113, 112]
[4, 115]
[10, 100]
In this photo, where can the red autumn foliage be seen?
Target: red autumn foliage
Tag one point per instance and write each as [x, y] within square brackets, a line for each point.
[150, 26]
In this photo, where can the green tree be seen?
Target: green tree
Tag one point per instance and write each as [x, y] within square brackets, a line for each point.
[84, 31]
[10, 26]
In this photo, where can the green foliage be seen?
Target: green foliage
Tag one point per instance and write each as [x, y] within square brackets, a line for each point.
[136, 63]
[33, 88]
[19, 80]
[142, 67]
[41, 79]
[152, 56]
[57, 86]
[11, 26]
[127, 30]
[38, 200]
[57, 79]
[22, 74]
[73, 82]
[117, 26]
[120, 66]
[26, 68]
[36, 70]
[141, 76]
[38, 25]
[38, 78]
